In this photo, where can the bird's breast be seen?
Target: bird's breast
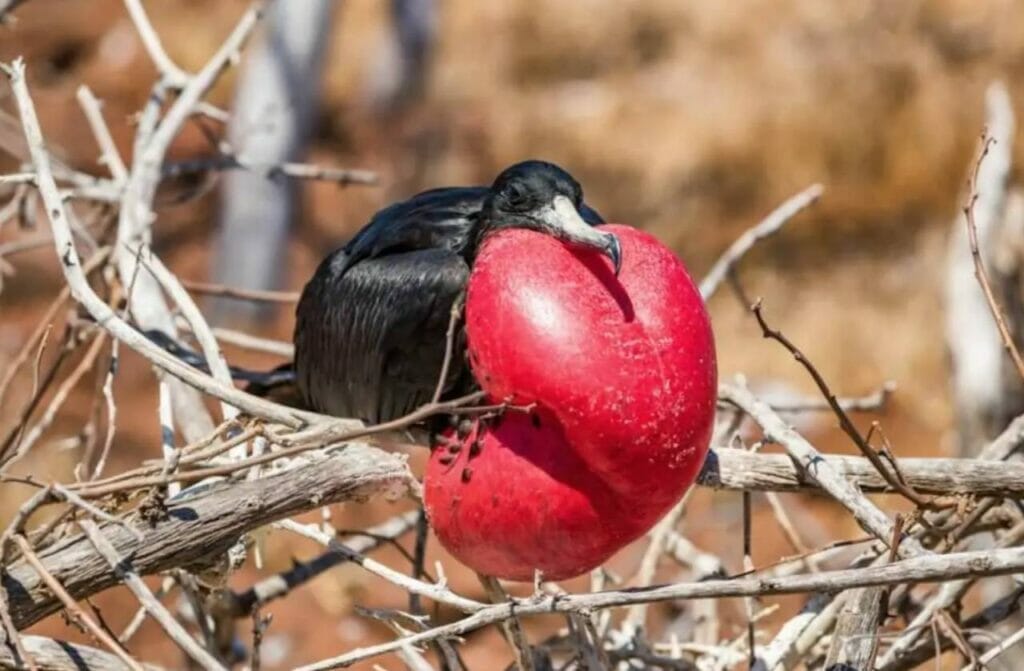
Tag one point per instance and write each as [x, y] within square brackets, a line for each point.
[622, 373]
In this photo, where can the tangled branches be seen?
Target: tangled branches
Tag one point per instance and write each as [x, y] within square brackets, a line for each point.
[190, 516]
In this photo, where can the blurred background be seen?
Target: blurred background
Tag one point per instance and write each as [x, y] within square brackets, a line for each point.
[689, 119]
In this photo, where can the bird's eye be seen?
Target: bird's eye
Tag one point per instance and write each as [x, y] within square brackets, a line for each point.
[516, 194]
[516, 197]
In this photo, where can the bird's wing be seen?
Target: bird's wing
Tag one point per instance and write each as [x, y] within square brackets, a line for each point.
[435, 219]
[370, 337]
[371, 324]
[439, 218]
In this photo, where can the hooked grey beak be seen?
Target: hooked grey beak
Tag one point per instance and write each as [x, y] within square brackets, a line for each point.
[562, 220]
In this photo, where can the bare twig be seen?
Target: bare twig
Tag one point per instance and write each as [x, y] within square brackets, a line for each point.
[996, 180]
[844, 420]
[947, 596]
[60, 396]
[204, 524]
[100, 311]
[873, 402]
[864, 511]
[241, 294]
[924, 568]
[340, 176]
[989, 616]
[656, 547]
[169, 70]
[197, 323]
[449, 347]
[281, 584]
[126, 574]
[72, 608]
[153, 138]
[438, 591]
[993, 652]
[765, 228]
[109, 155]
[13, 639]
[511, 626]
[53, 655]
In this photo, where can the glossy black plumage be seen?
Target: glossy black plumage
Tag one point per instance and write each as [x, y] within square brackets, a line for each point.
[371, 325]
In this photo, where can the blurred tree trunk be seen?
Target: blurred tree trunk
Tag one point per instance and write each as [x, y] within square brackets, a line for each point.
[400, 72]
[988, 391]
[273, 110]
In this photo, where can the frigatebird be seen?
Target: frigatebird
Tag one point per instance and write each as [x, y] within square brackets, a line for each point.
[371, 325]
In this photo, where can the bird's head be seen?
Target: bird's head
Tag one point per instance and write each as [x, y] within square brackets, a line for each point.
[543, 197]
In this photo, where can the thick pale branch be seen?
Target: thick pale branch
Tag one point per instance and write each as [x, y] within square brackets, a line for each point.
[867, 514]
[739, 470]
[53, 655]
[924, 568]
[204, 525]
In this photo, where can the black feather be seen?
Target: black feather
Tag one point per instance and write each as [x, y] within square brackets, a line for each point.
[371, 325]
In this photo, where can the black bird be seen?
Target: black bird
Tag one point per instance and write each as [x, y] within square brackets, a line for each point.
[371, 325]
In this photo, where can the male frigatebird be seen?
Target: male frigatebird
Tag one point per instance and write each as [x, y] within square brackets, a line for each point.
[370, 332]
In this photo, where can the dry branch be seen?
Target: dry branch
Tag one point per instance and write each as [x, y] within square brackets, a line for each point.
[764, 229]
[925, 568]
[992, 186]
[125, 573]
[290, 472]
[53, 655]
[97, 308]
[202, 525]
[738, 470]
[867, 514]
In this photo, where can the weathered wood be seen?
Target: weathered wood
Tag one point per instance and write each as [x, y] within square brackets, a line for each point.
[201, 527]
[867, 513]
[53, 655]
[987, 390]
[855, 640]
[925, 647]
[734, 469]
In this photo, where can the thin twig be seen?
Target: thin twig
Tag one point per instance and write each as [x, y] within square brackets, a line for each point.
[844, 420]
[340, 176]
[511, 626]
[280, 585]
[925, 568]
[97, 308]
[109, 155]
[449, 347]
[866, 513]
[12, 637]
[241, 294]
[127, 575]
[72, 608]
[979, 266]
[765, 228]
[169, 70]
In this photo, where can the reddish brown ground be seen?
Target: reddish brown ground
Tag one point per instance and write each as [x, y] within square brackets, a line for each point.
[689, 119]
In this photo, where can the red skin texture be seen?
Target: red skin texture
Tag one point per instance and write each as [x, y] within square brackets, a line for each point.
[623, 374]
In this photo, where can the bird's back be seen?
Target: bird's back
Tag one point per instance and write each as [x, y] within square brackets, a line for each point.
[370, 333]
[371, 325]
